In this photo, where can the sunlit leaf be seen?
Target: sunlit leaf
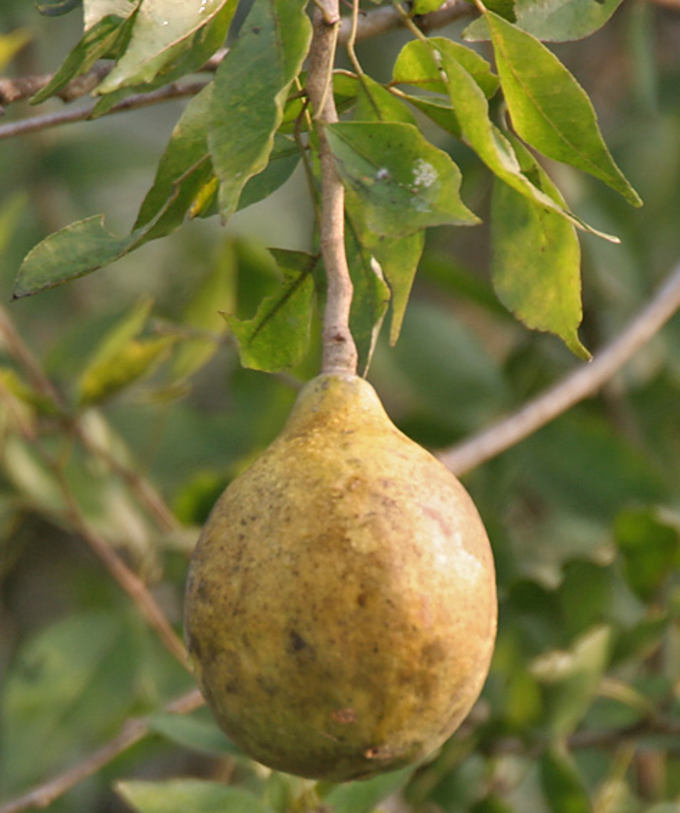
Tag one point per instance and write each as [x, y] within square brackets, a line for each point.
[425, 6]
[121, 358]
[403, 181]
[162, 30]
[492, 147]
[251, 86]
[96, 43]
[415, 66]
[376, 103]
[96, 10]
[557, 21]
[549, 109]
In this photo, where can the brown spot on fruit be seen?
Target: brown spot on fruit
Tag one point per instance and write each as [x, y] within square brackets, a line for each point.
[344, 716]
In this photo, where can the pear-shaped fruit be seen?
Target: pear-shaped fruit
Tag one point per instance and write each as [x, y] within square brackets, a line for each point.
[341, 602]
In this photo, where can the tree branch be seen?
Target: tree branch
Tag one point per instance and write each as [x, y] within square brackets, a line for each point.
[580, 384]
[126, 578]
[23, 87]
[339, 350]
[132, 732]
[176, 90]
[140, 486]
[388, 18]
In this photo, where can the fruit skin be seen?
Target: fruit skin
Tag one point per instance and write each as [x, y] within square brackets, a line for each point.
[341, 605]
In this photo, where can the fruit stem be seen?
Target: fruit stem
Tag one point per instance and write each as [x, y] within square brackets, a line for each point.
[339, 349]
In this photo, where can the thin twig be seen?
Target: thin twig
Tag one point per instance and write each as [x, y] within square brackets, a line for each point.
[23, 87]
[132, 732]
[176, 90]
[388, 18]
[372, 24]
[140, 486]
[339, 350]
[580, 384]
[125, 577]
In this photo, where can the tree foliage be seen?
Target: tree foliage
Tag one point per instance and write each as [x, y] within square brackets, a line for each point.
[129, 398]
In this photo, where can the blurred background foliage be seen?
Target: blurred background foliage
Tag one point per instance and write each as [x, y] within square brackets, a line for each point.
[151, 415]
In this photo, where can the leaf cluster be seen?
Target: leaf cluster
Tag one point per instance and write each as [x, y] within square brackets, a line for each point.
[243, 135]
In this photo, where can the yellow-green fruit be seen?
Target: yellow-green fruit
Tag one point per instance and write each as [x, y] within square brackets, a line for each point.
[341, 602]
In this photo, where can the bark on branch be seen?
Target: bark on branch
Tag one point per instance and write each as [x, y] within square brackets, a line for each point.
[580, 384]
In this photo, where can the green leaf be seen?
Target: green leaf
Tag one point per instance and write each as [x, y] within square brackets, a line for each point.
[557, 21]
[139, 359]
[121, 358]
[375, 103]
[582, 464]
[562, 786]
[60, 696]
[276, 338]
[190, 732]
[404, 183]
[425, 6]
[72, 252]
[85, 246]
[492, 804]
[163, 30]
[414, 65]
[371, 295]
[251, 86]
[96, 10]
[570, 679]
[187, 56]
[364, 797]
[563, 20]
[536, 258]
[31, 477]
[585, 595]
[472, 110]
[458, 391]
[96, 43]
[182, 170]
[182, 795]
[383, 270]
[399, 258]
[549, 109]
[650, 548]
[283, 160]
[439, 111]
[214, 295]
